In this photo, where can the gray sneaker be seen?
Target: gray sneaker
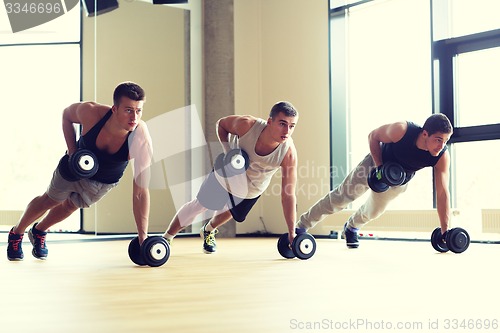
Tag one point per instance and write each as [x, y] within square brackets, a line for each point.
[351, 237]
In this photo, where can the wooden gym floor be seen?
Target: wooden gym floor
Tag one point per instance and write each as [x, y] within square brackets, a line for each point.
[92, 286]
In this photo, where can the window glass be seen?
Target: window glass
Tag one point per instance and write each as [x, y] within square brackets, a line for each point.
[477, 81]
[475, 163]
[389, 79]
[469, 17]
[35, 90]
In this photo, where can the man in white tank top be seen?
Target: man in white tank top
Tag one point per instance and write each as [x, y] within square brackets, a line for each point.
[269, 147]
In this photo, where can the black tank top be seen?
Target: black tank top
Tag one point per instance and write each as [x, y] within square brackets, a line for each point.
[111, 166]
[407, 154]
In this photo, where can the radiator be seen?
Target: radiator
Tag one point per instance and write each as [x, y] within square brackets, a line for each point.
[10, 217]
[391, 220]
[486, 221]
[491, 220]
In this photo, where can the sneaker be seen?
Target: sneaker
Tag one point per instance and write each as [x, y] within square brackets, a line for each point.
[37, 238]
[14, 249]
[351, 237]
[209, 244]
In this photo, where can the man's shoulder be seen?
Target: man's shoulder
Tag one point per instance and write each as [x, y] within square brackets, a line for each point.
[89, 114]
[244, 123]
[92, 110]
[249, 120]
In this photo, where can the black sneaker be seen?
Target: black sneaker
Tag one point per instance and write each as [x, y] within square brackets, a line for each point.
[351, 237]
[14, 248]
[209, 244]
[37, 238]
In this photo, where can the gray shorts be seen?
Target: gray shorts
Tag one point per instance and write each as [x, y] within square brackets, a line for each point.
[82, 193]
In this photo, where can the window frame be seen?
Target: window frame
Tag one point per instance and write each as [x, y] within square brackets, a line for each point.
[444, 53]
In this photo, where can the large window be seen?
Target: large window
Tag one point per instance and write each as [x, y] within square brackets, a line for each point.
[388, 79]
[40, 76]
[475, 168]
[470, 17]
[477, 79]
[381, 56]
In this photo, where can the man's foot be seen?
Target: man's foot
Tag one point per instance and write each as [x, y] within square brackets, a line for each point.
[14, 248]
[209, 244]
[351, 237]
[37, 238]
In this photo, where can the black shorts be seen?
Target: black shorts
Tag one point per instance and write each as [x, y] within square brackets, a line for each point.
[214, 197]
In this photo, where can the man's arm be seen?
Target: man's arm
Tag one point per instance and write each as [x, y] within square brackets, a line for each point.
[141, 206]
[288, 185]
[441, 179]
[70, 117]
[385, 134]
[236, 125]
[141, 151]
[86, 114]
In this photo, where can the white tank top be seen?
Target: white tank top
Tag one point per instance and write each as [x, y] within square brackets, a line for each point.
[258, 175]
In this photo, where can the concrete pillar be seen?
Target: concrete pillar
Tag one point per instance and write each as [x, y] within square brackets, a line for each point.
[218, 70]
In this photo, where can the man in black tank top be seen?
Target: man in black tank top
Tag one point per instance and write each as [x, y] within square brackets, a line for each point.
[115, 134]
[411, 146]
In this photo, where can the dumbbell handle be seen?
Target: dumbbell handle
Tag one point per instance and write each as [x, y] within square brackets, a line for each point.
[443, 236]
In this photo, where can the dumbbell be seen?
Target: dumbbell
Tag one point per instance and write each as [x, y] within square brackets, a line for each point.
[385, 176]
[235, 162]
[80, 165]
[303, 245]
[456, 240]
[153, 252]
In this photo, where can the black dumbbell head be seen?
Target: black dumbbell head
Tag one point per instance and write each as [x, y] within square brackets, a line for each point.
[304, 246]
[236, 162]
[155, 251]
[437, 241]
[376, 184]
[83, 164]
[284, 247]
[393, 174]
[219, 165]
[134, 252]
[64, 169]
[458, 240]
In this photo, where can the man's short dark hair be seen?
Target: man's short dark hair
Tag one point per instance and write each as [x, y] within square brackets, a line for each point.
[438, 123]
[130, 90]
[284, 107]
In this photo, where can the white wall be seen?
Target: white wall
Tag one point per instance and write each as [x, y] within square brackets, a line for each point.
[143, 43]
[281, 53]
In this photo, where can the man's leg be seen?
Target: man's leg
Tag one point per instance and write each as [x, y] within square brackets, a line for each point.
[35, 209]
[57, 214]
[374, 206]
[38, 232]
[351, 188]
[183, 218]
